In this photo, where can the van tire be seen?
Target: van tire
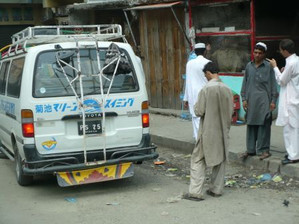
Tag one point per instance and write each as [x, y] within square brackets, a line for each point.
[23, 180]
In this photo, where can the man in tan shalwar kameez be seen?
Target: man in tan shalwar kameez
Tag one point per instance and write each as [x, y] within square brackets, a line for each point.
[215, 107]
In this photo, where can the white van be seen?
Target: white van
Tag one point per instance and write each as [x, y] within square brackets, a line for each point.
[73, 103]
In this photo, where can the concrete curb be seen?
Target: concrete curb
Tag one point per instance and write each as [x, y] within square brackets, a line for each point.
[271, 164]
[186, 147]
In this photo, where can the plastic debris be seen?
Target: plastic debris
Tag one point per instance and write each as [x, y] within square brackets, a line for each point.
[112, 203]
[172, 169]
[159, 162]
[264, 177]
[277, 178]
[252, 181]
[230, 183]
[170, 175]
[286, 203]
[256, 214]
[176, 155]
[72, 200]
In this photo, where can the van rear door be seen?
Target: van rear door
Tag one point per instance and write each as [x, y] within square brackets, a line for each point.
[58, 115]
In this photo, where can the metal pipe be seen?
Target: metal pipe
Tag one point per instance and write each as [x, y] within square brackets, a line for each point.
[7, 154]
[177, 20]
[135, 43]
[252, 26]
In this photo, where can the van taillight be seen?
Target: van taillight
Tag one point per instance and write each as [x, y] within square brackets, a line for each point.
[27, 123]
[145, 114]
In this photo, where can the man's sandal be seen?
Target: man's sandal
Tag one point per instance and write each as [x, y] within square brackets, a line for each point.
[245, 155]
[265, 155]
[211, 193]
[190, 197]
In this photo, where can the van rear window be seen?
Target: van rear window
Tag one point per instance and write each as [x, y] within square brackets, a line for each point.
[51, 81]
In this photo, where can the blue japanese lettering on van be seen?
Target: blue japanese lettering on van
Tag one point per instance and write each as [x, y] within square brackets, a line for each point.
[91, 105]
[7, 107]
[119, 103]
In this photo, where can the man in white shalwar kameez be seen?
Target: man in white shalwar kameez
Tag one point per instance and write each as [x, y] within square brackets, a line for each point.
[195, 81]
[288, 109]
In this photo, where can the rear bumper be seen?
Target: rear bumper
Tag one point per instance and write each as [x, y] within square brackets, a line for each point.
[36, 163]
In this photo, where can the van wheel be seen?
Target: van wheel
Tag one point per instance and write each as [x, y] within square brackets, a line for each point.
[23, 180]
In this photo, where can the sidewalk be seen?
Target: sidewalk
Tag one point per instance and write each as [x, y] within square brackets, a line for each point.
[168, 129]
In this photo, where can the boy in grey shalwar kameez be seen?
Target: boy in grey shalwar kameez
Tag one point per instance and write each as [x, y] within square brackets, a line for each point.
[259, 94]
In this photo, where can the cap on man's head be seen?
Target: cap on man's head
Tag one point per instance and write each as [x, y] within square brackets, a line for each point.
[199, 45]
[261, 44]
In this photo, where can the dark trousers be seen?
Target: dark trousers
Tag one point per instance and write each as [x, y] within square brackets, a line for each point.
[258, 137]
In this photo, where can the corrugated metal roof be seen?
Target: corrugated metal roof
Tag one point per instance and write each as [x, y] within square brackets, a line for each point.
[155, 6]
[119, 4]
[113, 4]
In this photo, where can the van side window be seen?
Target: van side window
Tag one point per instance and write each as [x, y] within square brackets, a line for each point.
[3, 75]
[15, 77]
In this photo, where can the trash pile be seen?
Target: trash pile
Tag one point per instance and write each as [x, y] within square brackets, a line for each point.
[265, 180]
[178, 166]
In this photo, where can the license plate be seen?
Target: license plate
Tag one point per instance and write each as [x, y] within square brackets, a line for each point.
[91, 127]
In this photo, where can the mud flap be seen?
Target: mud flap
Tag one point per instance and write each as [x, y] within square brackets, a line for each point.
[100, 174]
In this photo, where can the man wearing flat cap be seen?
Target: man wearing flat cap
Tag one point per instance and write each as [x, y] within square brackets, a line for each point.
[259, 95]
[195, 81]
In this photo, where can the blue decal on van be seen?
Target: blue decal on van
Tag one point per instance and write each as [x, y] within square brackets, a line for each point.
[92, 104]
[8, 107]
[50, 144]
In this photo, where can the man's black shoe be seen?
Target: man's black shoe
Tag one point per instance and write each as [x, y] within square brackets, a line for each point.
[288, 161]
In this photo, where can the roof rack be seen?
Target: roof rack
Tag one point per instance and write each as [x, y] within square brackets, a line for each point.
[67, 33]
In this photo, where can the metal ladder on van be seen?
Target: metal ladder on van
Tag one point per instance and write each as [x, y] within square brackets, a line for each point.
[80, 99]
[76, 33]
[103, 96]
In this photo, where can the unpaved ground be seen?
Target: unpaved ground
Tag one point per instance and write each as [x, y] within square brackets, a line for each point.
[152, 195]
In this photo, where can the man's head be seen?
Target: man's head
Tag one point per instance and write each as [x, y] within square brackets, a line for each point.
[259, 52]
[211, 70]
[199, 48]
[286, 47]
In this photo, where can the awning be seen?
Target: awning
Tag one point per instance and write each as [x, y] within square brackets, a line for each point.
[155, 6]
